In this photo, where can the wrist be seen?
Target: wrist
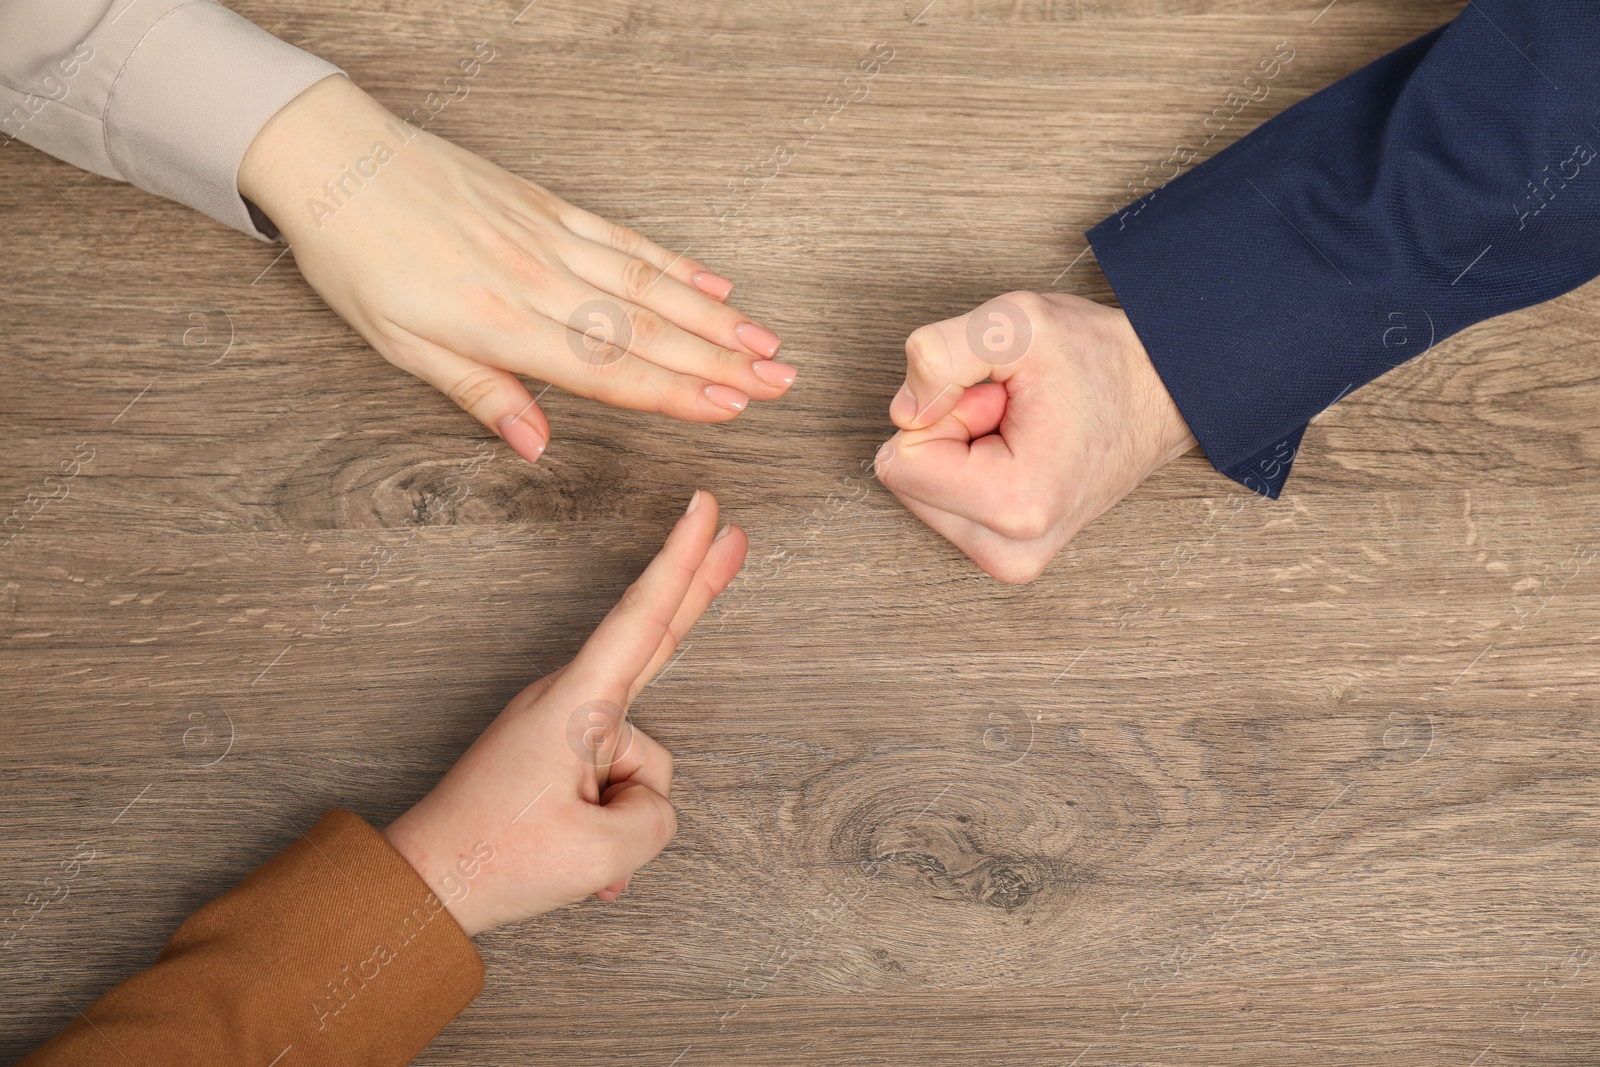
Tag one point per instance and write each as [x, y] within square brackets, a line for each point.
[446, 869]
[1167, 434]
[306, 161]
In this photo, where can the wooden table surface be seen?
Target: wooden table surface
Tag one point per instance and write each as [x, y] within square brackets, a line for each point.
[1237, 782]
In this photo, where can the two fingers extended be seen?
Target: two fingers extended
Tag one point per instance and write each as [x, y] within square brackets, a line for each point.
[638, 635]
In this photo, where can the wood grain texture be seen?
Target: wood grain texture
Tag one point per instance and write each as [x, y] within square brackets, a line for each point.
[1236, 782]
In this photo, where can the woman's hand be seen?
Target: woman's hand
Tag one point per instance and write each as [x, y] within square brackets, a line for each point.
[467, 275]
[561, 797]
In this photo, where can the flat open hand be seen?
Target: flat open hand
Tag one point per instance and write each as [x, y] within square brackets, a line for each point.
[1021, 422]
[561, 796]
[467, 275]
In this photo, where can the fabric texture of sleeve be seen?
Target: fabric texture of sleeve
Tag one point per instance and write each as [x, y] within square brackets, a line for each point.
[1454, 180]
[332, 954]
[165, 94]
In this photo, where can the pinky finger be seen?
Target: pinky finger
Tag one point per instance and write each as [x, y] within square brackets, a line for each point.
[495, 397]
[1013, 562]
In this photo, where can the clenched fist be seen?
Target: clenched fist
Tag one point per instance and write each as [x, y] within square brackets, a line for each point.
[1021, 422]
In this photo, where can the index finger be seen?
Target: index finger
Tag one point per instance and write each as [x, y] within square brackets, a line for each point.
[943, 359]
[624, 643]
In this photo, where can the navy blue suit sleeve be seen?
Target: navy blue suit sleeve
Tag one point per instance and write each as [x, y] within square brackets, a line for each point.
[1451, 181]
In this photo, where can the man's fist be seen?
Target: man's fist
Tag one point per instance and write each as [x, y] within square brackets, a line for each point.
[1021, 422]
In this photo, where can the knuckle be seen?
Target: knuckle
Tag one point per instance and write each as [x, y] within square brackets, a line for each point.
[1025, 526]
[610, 383]
[1029, 303]
[666, 824]
[638, 278]
[632, 598]
[599, 330]
[655, 751]
[1026, 520]
[1000, 331]
[659, 825]
[604, 357]
[626, 240]
[883, 463]
[926, 350]
[1017, 570]
[401, 347]
[529, 271]
[649, 329]
[543, 200]
[473, 389]
[492, 308]
[526, 264]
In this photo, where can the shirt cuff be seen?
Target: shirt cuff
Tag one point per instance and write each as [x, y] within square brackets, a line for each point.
[190, 99]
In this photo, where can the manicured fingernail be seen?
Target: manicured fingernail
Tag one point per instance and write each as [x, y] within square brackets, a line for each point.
[713, 285]
[774, 373]
[723, 397]
[521, 436]
[694, 502]
[758, 339]
[721, 534]
[904, 406]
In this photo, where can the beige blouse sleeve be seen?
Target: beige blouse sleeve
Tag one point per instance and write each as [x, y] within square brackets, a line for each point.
[165, 94]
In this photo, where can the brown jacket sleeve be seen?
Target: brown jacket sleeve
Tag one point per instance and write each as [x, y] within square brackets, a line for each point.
[332, 954]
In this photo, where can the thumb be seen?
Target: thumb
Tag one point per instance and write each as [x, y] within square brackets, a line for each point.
[943, 359]
[494, 397]
[635, 824]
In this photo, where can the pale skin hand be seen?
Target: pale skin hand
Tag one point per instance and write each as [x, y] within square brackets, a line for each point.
[563, 796]
[468, 276]
[1023, 421]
